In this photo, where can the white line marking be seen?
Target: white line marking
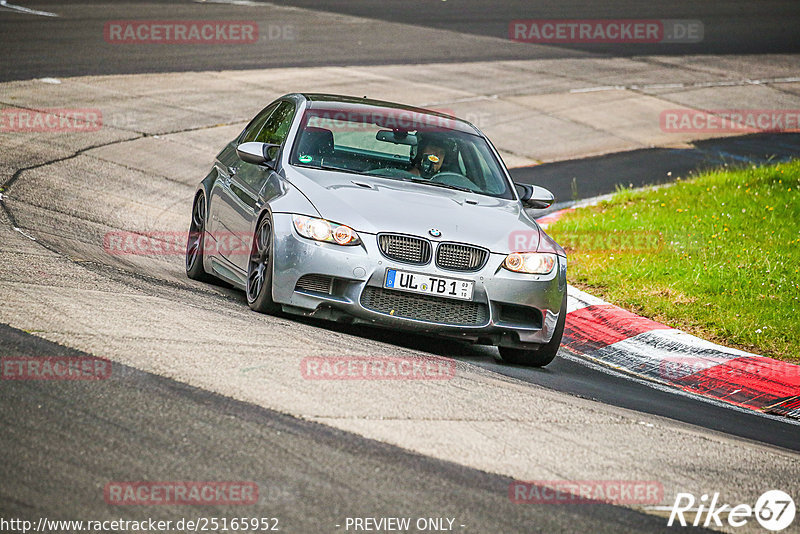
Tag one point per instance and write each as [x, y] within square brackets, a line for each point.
[20, 230]
[601, 88]
[646, 87]
[665, 85]
[476, 98]
[233, 2]
[5, 4]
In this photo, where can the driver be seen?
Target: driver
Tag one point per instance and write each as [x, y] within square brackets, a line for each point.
[429, 158]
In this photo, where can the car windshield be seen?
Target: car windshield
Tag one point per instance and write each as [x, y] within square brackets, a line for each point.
[399, 144]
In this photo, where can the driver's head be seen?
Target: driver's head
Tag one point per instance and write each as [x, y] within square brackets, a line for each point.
[430, 156]
[434, 154]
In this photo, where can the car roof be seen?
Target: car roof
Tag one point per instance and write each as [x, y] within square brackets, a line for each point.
[353, 103]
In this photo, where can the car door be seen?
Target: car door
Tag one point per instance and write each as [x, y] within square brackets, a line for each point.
[240, 199]
[227, 164]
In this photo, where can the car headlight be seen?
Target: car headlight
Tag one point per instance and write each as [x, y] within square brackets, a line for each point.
[530, 262]
[326, 231]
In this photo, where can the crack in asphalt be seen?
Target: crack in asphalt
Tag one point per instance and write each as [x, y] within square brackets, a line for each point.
[5, 187]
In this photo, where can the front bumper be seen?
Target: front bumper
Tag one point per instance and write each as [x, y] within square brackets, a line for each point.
[508, 309]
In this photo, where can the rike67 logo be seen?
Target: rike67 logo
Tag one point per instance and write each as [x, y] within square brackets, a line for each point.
[774, 510]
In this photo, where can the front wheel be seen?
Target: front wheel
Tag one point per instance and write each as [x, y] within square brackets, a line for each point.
[259, 270]
[194, 245]
[545, 353]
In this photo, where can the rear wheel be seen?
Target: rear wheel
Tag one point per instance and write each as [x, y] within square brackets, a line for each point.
[543, 355]
[259, 270]
[194, 246]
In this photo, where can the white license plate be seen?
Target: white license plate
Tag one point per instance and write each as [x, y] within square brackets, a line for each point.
[439, 286]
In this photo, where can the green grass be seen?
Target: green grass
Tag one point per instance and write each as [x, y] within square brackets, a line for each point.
[717, 255]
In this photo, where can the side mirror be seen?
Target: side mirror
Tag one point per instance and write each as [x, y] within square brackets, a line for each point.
[533, 196]
[258, 153]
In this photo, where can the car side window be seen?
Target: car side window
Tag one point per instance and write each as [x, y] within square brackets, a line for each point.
[251, 131]
[276, 128]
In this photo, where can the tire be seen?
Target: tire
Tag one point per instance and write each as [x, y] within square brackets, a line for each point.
[543, 355]
[259, 269]
[196, 241]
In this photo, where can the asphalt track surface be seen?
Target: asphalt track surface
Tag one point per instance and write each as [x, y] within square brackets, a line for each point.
[73, 44]
[571, 374]
[71, 438]
[601, 175]
[310, 476]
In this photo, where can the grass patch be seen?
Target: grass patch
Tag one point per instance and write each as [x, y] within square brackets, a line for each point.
[717, 255]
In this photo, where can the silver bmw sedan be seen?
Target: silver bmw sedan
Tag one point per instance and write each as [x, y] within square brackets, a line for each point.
[365, 211]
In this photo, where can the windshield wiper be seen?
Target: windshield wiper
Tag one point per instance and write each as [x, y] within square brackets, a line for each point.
[438, 184]
[329, 168]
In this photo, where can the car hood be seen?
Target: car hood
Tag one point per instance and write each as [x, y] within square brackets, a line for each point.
[372, 205]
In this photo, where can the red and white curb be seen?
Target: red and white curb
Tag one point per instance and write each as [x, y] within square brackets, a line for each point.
[617, 338]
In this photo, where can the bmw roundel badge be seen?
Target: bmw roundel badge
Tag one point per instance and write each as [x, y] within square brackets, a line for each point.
[435, 232]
